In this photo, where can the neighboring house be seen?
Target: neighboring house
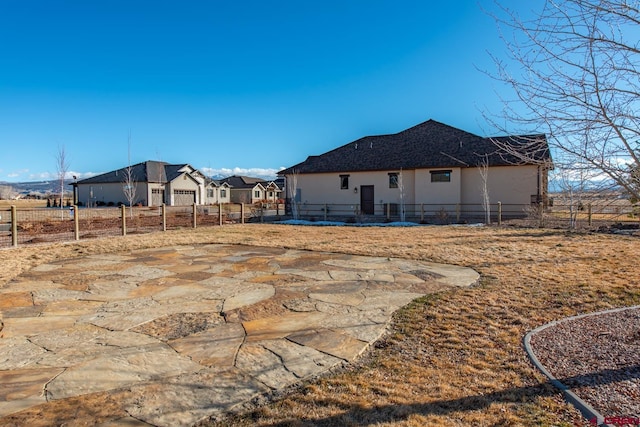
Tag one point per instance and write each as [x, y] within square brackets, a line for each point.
[245, 189]
[218, 192]
[430, 163]
[153, 184]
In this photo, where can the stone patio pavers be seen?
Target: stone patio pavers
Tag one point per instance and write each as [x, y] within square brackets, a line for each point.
[184, 333]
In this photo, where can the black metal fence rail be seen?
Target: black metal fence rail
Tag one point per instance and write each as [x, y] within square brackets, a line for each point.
[422, 213]
[566, 215]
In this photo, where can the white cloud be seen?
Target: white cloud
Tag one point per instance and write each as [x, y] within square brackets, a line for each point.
[266, 173]
[80, 175]
[42, 176]
[16, 174]
[50, 176]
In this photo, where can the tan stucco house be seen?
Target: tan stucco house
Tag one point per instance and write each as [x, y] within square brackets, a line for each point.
[430, 164]
[154, 183]
[246, 189]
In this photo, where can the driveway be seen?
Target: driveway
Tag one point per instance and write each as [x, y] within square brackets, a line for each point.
[175, 335]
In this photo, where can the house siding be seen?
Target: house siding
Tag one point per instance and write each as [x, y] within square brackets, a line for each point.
[184, 183]
[94, 194]
[445, 193]
[513, 185]
[420, 151]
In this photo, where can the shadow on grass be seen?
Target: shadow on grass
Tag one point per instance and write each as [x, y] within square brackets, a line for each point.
[361, 416]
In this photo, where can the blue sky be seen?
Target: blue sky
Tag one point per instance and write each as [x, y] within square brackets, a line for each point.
[244, 87]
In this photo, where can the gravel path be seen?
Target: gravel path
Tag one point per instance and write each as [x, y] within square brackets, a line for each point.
[598, 357]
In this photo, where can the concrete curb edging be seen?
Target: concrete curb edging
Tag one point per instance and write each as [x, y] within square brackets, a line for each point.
[587, 410]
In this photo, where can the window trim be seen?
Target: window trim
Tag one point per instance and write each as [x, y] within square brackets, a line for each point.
[393, 183]
[344, 182]
[441, 173]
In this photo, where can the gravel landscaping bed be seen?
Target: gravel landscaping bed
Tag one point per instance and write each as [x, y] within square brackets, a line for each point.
[598, 357]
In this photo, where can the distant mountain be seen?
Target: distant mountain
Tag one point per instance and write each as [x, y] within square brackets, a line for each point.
[37, 187]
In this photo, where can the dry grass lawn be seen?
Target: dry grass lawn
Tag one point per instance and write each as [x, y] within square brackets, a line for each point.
[23, 203]
[454, 358]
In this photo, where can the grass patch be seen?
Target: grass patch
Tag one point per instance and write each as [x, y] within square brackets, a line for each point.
[452, 358]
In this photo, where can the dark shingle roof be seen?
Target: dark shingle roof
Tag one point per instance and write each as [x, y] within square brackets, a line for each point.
[428, 145]
[149, 171]
[237, 181]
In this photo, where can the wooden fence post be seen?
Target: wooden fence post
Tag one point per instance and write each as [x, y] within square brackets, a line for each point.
[541, 212]
[219, 213]
[589, 213]
[241, 213]
[14, 226]
[163, 212]
[76, 222]
[123, 210]
[499, 213]
[194, 211]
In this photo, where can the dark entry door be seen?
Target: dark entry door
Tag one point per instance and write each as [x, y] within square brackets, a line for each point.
[366, 199]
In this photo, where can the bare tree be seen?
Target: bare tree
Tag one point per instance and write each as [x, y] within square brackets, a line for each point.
[6, 192]
[292, 191]
[130, 184]
[401, 188]
[575, 72]
[62, 166]
[483, 170]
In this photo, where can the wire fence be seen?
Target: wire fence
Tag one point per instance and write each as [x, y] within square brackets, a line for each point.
[574, 215]
[38, 225]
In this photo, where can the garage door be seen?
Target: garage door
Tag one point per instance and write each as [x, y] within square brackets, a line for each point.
[184, 197]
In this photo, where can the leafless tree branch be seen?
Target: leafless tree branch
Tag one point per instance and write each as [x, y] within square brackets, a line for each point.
[574, 71]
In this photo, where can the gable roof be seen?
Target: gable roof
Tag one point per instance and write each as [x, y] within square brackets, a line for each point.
[244, 182]
[430, 144]
[149, 171]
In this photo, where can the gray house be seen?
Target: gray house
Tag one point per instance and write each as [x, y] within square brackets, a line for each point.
[246, 189]
[152, 183]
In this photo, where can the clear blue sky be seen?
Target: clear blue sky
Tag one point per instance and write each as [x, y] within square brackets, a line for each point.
[231, 86]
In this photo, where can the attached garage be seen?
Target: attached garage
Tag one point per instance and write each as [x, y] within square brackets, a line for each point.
[184, 197]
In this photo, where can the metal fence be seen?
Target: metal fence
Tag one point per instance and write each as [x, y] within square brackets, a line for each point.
[421, 213]
[586, 213]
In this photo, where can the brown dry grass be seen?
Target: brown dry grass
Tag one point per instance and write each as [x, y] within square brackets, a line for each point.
[454, 358]
[23, 203]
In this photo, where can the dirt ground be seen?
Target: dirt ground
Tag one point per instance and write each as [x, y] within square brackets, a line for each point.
[455, 358]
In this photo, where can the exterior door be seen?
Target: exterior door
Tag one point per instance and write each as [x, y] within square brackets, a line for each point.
[367, 199]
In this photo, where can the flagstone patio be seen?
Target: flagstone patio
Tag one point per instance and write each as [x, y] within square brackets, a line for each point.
[192, 331]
